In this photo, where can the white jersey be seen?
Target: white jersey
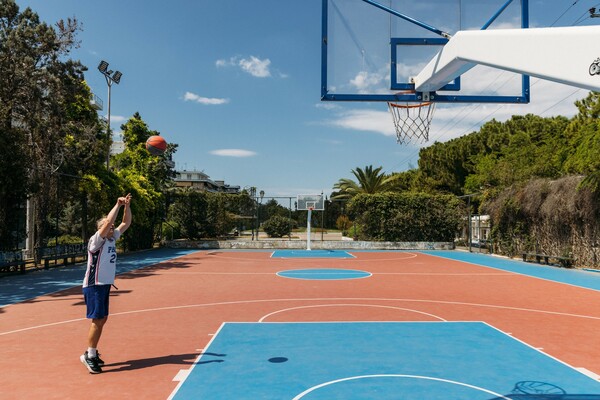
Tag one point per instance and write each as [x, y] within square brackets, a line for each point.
[102, 260]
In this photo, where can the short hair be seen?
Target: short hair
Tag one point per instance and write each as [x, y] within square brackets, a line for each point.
[100, 222]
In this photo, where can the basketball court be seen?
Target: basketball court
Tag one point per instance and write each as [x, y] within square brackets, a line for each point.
[336, 324]
[300, 324]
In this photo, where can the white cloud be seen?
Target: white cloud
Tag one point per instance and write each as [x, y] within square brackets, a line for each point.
[253, 65]
[115, 119]
[189, 96]
[233, 153]
[328, 105]
[365, 120]
[365, 80]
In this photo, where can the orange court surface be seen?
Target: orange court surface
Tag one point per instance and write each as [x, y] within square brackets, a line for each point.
[165, 314]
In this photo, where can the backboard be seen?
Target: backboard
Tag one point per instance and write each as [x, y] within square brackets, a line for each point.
[372, 49]
[310, 201]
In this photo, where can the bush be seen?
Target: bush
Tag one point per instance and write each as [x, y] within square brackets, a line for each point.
[278, 226]
[407, 217]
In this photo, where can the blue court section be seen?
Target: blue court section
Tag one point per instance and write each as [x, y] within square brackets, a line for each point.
[324, 274]
[311, 254]
[387, 360]
[575, 277]
[17, 288]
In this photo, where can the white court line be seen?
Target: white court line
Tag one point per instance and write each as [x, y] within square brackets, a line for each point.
[349, 305]
[238, 302]
[589, 373]
[182, 375]
[541, 350]
[341, 272]
[195, 363]
[223, 257]
[430, 378]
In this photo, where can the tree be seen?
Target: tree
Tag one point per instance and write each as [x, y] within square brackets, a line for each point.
[44, 114]
[343, 223]
[369, 181]
[147, 177]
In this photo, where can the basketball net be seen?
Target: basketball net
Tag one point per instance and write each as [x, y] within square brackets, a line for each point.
[412, 121]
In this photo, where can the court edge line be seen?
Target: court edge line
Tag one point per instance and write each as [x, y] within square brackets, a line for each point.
[516, 273]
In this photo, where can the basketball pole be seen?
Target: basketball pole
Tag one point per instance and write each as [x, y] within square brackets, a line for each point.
[308, 229]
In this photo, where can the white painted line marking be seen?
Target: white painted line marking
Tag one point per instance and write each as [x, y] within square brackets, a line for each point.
[589, 373]
[181, 375]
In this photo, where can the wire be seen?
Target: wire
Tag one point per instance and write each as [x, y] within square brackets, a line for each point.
[561, 15]
[584, 16]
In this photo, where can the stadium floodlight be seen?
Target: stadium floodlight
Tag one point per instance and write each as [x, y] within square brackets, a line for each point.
[103, 66]
[117, 76]
[110, 78]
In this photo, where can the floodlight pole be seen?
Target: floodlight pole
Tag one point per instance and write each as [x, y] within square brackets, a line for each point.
[110, 79]
[108, 135]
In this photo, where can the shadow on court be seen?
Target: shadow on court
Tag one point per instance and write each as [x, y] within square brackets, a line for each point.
[535, 390]
[63, 282]
[131, 365]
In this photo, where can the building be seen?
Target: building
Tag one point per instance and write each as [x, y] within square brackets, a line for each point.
[198, 180]
[480, 227]
[118, 145]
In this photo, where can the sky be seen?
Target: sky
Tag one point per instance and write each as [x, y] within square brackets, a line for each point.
[237, 85]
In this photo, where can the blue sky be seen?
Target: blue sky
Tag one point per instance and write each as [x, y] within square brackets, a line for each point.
[236, 83]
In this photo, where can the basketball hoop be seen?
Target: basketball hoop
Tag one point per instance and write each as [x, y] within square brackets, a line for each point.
[412, 121]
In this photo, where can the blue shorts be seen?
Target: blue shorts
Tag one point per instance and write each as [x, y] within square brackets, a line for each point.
[96, 301]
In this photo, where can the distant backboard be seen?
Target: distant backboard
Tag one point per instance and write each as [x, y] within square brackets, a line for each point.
[372, 49]
[311, 201]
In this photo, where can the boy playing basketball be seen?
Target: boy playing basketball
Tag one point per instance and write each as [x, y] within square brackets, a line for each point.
[100, 276]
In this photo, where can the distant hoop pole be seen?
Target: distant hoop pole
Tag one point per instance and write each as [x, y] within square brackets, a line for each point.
[308, 218]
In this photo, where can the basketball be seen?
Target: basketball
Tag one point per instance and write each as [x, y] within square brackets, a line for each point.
[156, 145]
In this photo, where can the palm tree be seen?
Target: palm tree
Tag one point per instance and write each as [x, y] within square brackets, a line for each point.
[370, 181]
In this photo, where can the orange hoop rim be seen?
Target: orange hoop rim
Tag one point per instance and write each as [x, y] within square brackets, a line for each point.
[423, 104]
[409, 104]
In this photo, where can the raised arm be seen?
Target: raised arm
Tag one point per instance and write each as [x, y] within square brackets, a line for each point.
[109, 221]
[126, 215]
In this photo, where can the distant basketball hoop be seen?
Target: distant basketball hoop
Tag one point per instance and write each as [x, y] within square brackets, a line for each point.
[412, 121]
[310, 202]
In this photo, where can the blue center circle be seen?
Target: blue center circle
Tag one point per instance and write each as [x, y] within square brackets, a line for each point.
[324, 274]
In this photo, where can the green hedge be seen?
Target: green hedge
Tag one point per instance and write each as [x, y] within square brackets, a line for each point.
[407, 217]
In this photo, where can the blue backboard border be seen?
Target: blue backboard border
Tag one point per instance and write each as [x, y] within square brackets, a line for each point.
[406, 89]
